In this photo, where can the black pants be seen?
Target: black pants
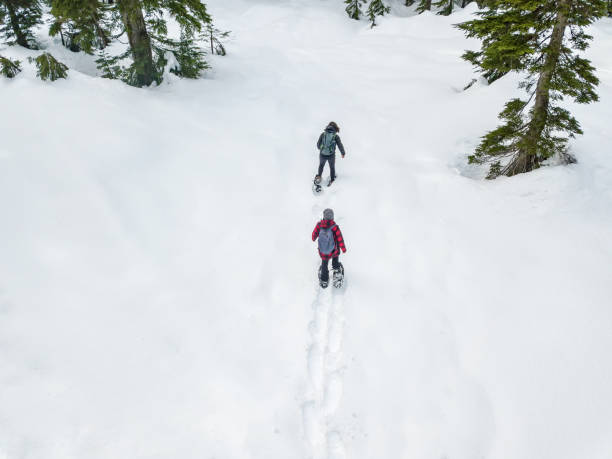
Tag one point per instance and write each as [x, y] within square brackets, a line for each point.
[332, 165]
[325, 269]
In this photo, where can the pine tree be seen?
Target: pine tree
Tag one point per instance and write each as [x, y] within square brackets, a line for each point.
[81, 24]
[49, 68]
[9, 68]
[152, 50]
[110, 65]
[424, 5]
[142, 71]
[215, 38]
[376, 8]
[529, 36]
[503, 49]
[17, 18]
[353, 8]
[187, 57]
[446, 7]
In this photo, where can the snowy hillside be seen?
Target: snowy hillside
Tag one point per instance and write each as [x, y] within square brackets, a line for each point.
[158, 292]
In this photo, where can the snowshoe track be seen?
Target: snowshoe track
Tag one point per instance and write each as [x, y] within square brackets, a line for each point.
[325, 373]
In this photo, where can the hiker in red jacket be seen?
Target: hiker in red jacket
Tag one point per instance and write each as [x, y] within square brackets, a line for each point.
[330, 244]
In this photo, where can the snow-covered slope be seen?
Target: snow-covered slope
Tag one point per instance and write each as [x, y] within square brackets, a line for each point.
[158, 293]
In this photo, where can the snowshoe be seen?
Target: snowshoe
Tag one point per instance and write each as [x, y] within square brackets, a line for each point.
[322, 283]
[338, 277]
[316, 185]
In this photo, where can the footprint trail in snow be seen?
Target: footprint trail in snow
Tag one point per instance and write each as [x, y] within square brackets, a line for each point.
[325, 376]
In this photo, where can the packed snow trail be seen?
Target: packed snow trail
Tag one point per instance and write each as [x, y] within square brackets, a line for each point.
[325, 372]
[157, 272]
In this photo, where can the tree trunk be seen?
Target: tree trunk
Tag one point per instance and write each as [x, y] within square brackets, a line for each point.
[19, 35]
[527, 157]
[140, 42]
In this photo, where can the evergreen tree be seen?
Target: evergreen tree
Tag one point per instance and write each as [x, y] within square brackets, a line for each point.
[9, 68]
[145, 23]
[188, 58]
[503, 48]
[110, 65]
[49, 68]
[424, 5]
[81, 24]
[17, 18]
[142, 71]
[376, 8]
[446, 7]
[215, 38]
[529, 36]
[353, 8]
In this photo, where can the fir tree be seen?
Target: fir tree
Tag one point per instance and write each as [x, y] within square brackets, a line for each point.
[81, 24]
[354, 8]
[110, 65]
[49, 68]
[503, 49]
[446, 7]
[424, 5]
[17, 18]
[142, 71]
[376, 8]
[215, 38]
[9, 68]
[529, 36]
[145, 23]
[187, 56]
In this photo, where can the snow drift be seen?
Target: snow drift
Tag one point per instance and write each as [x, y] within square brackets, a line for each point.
[158, 292]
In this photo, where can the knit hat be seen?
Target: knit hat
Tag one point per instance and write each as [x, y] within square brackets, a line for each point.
[328, 214]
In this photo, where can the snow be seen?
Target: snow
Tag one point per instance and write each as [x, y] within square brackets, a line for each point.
[158, 293]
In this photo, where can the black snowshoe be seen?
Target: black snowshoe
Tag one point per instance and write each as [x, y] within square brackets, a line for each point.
[316, 185]
[338, 277]
[322, 283]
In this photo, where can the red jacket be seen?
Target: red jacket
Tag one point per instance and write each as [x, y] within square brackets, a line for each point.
[338, 239]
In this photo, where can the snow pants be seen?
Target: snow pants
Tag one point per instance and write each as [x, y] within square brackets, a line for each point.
[332, 164]
[325, 269]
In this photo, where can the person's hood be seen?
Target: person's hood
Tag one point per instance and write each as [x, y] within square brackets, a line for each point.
[330, 128]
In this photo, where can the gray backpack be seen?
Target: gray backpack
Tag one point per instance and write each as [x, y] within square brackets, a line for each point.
[328, 143]
[327, 244]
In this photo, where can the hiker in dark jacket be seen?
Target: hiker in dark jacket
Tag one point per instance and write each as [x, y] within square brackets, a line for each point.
[328, 222]
[327, 151]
